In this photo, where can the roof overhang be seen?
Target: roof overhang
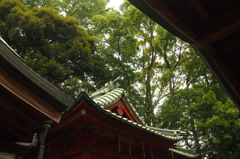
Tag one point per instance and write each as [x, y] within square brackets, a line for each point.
[211, 27]
[27, 100]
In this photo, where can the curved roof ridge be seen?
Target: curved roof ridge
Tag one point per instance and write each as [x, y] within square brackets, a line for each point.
[166, 131]
[110, 97]
[185, 152]
[142, 127]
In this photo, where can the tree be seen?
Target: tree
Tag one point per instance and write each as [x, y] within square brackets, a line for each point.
[159, 62]
[54, 45]
[167, 82]
[203, 111]
[84, 10]
[117, 46]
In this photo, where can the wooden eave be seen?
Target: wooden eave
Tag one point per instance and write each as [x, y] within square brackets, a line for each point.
[100, 116]
[27, 100]
[183, 153]
[22, 107]
[211, 27]
[86, 115]
[16, 90]
[30, 76]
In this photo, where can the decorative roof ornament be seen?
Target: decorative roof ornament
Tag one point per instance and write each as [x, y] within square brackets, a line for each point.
[107, 88]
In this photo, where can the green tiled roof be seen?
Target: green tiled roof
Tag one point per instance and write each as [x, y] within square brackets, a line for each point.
[166, 131]
[109, 98]
[185, 152]
[113, 96]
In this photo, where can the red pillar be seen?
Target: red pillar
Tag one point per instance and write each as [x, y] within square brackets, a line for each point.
[86, 155]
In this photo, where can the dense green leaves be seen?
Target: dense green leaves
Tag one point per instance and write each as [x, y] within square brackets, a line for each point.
[52, 44]
[166, 81]
[84, 10]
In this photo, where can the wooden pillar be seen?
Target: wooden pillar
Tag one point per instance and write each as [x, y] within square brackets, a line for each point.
[86, 155]
[129, 147]
[151, 153]
[143, 150]
[119, 144]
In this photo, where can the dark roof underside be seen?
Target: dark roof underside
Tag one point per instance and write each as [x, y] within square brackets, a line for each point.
[211, 27]
[8, 56]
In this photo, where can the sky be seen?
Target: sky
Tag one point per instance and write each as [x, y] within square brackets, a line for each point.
[115, 4]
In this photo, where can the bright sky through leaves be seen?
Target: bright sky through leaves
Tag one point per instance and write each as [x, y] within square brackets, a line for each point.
[115, 4]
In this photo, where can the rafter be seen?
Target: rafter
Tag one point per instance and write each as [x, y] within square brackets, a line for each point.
[229, 47]
[163, 10]
[13, 122]
[219, 29]
[199, 8]
[12, 106]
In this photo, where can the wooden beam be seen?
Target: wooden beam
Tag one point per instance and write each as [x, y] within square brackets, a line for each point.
[14, 149]
[7, 105]
[13, 122]
[160, 8]
[229, 47]
[9, 129]
[26, 93]
[219, 29]
[108, 153]
[199, 8]
[230, 78]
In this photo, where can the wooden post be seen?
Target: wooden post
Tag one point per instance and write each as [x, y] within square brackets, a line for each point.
[172, 155]
[86, 155]
[143, 148]
[119, 144]
[129, 147]
[151, 153]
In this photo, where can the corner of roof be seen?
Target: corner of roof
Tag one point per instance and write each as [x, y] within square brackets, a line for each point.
[108, 98]
[168, 132]
[190, 153]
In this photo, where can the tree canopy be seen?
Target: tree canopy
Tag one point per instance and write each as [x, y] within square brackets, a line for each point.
[84, 10]
[54, 45]
[166, 81]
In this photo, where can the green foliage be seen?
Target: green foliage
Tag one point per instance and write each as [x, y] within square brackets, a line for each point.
[167, 82]
[117, 46]
[143, 53]
[84, 10]
[52, 44]
[211, 125]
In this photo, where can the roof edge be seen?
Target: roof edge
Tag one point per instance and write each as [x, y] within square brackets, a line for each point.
[56, 93]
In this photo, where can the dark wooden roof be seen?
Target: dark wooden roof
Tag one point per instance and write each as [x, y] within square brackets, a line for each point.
[211, 27]
[27, 100]
[13, 60]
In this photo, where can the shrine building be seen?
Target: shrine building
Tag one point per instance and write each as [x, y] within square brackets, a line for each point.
[39, 120]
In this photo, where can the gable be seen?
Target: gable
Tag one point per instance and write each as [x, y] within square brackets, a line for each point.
[115, 101]
[122, 108]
